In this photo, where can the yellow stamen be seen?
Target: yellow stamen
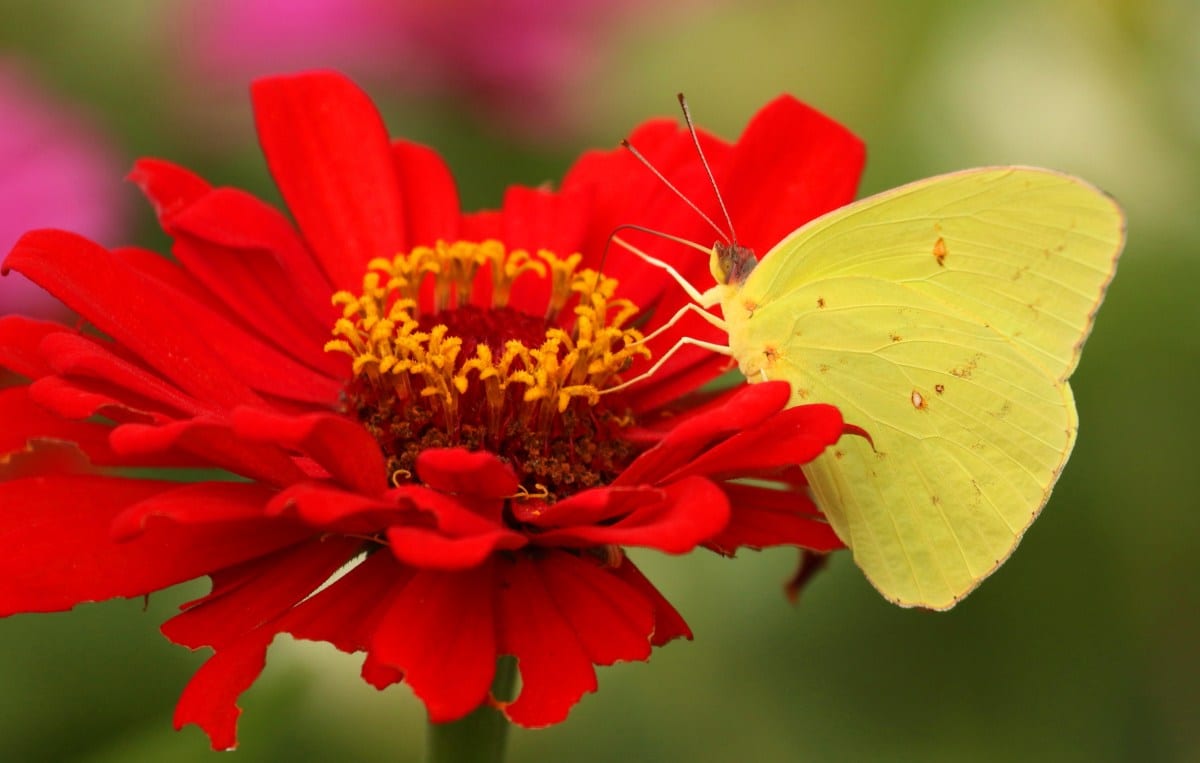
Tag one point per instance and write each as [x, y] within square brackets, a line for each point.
[382, 332]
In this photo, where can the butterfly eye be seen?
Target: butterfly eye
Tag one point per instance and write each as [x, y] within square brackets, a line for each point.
[735, 262]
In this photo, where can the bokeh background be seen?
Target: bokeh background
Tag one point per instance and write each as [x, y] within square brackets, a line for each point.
[1085, 646]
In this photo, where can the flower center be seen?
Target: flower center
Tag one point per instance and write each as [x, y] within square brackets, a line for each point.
[476, 373]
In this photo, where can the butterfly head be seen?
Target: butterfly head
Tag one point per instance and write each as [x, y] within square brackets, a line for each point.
[732, 263]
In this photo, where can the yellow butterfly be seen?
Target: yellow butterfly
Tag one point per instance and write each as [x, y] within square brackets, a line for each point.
[944, 318]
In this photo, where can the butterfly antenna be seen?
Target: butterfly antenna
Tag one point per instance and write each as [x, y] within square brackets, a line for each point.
[646, 162]
[613, 238]
[687, 117]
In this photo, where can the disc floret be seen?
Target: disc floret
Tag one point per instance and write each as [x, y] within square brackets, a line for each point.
[471, 371]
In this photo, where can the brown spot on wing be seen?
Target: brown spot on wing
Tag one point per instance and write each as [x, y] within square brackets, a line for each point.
[820, 302]
[939, 388]
[940, 251]
[964, 371]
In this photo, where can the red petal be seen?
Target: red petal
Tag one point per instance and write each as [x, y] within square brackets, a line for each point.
[260, 592]
[328, 150]
[295, 347]
[478, 481]
[302, 370]
[25, 421]
[79, 356]
[213, 441]
[430, 195]
[764, 517]
[625, 192]
[793, 436]
[169, 272]
[589, 507]
[668, 624]
[453, 515]
[265, 242]
[441, 632]
[168, 186]
[555, 669]
[238, 602]
[790, 165]
[743, 408]
[347, 613]
[79, 400]
[328, 508]
[192, 504]
[20, 339]
[535, 219]
[122, 303]
[482, 225]
[210, 698]
[341, 446]
[691, 368]
[44, 457]
[429, 549]
[379, 675]
[273, 267]
[479, 474]
[692, 510]
[58, 550]
[612, 620]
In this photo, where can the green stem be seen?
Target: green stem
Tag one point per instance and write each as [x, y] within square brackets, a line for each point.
[479, 737]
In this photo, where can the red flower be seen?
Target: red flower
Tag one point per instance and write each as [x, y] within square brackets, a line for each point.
[443, 481]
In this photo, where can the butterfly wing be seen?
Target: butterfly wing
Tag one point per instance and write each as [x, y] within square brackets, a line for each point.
[952, 355]
[1028, 250]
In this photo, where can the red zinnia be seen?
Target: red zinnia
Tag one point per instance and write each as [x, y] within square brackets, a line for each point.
[440, 480]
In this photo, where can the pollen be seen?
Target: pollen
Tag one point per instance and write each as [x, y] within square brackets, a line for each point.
[441, 359]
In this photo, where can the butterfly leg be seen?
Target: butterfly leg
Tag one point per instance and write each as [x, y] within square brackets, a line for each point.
[720, 349]
[704, 299]
[688, 308]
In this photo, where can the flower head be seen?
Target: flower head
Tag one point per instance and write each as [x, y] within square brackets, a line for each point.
[412, 405]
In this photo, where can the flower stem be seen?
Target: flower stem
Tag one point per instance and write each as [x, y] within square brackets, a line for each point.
[479, 737]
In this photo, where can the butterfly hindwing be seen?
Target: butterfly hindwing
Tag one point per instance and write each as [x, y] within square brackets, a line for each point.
[967, 434]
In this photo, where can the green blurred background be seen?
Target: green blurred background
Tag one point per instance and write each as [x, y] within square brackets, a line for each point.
[1084, 646]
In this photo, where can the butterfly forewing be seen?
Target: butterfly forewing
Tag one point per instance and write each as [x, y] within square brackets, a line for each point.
[1027, 251]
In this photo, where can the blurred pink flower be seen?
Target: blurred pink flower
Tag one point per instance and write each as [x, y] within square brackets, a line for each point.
[508, 57]
[55, 172]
